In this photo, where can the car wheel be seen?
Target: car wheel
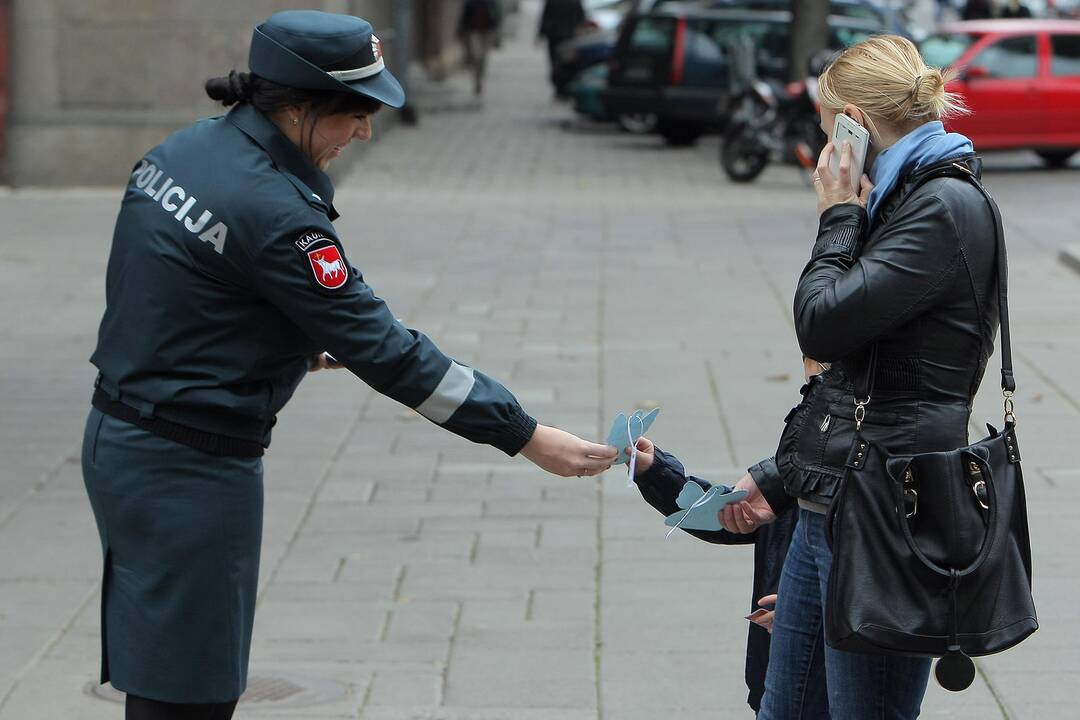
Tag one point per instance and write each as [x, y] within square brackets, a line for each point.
[1055, 158]
[637, 123]
[741, 155]
[679, 134]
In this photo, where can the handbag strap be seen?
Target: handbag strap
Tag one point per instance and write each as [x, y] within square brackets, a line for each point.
[990, 533]
[864, 386]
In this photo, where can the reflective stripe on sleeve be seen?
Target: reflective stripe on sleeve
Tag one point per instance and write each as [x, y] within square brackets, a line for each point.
[451, 394]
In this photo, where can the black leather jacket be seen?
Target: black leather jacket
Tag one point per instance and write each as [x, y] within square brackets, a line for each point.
[919, 283]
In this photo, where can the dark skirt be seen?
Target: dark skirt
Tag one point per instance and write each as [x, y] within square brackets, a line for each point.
[180, 535]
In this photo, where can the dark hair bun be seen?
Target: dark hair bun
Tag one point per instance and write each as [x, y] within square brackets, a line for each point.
[236, 88]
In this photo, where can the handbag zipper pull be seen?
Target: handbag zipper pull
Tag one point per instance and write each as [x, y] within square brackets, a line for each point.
[911, 495]
[978, 484]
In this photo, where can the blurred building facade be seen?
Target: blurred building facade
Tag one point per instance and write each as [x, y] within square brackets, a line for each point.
[94, 83]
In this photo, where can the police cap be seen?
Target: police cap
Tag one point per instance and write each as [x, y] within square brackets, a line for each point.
[312, 50]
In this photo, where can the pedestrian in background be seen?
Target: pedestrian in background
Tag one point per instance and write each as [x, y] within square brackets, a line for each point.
[559, 22]
[479, 29]
[1015, 9]
[226, 281]
[977, 10]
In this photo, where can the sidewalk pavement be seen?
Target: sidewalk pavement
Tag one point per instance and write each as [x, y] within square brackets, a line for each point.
[407, 574]
[1070, 255]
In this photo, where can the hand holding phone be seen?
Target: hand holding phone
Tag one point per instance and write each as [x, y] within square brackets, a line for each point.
[323, 361]
[847, 131]
[764, 617]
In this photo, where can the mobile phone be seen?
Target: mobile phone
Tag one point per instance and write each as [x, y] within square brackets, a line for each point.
[846, 130]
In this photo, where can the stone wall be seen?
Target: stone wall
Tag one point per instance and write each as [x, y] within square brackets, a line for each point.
[437, 45]
[94, 83]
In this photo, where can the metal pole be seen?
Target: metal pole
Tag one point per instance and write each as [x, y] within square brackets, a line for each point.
[5, 22]
[403, 36]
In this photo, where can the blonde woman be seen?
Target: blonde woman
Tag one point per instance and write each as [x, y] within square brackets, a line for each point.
[906, 265]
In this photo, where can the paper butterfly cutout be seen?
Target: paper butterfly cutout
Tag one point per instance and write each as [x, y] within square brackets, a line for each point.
[701, 508]
[625, 431]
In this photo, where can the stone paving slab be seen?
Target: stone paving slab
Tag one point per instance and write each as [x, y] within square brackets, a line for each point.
[1070, 255]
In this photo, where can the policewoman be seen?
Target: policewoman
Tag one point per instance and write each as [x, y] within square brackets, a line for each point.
[226, 282]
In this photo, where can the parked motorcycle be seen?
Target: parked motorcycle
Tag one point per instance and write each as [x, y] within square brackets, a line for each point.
[772, 122]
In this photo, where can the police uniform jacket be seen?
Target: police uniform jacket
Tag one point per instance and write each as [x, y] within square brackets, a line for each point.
[226, 276]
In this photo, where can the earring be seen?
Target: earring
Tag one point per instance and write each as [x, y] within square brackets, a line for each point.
[294, 121]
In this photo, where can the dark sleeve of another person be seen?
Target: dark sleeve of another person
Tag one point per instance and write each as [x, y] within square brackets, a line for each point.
[769, 553]
[663, 482]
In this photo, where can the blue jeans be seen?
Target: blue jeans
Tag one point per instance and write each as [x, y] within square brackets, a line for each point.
[807, 680]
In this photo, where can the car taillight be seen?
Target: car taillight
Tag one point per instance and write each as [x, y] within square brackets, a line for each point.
[678, 60]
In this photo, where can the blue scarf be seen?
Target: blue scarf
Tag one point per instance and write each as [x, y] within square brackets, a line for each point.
[925, 145]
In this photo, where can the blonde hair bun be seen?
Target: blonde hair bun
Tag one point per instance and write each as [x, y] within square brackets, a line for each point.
[886, 78]
[930, 99]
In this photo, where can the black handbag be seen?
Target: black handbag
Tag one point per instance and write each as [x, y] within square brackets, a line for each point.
[931, 555]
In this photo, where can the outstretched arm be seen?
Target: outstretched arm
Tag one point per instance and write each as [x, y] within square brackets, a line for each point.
[302, 270]
[660, 478]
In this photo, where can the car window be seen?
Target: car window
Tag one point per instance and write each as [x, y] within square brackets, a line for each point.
[770, 39]
[855, 11]
[942, 50]
[1011, 57]
[700, 45]
[1065, 61]
[652, 35]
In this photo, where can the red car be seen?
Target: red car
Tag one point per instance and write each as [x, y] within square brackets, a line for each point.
[1021, 81]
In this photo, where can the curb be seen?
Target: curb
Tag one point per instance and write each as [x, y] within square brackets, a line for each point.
[1070, 255]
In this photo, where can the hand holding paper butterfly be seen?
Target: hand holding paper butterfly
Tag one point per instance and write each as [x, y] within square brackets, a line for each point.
[750, 514]
[562, 453]
[646, 452]
[625, 431]
[700, 507]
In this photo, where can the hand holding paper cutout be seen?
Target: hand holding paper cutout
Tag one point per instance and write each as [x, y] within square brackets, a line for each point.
[562, 453]
[701, 508]
[750, 514]
[625, 431]
[646, 453]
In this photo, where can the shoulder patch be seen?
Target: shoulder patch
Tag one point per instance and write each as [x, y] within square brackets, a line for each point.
[324, 259]
[310, 238]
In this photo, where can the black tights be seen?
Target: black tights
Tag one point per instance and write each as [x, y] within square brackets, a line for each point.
[138, 708]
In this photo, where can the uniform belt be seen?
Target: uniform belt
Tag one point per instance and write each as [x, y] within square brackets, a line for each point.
[208, 442]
